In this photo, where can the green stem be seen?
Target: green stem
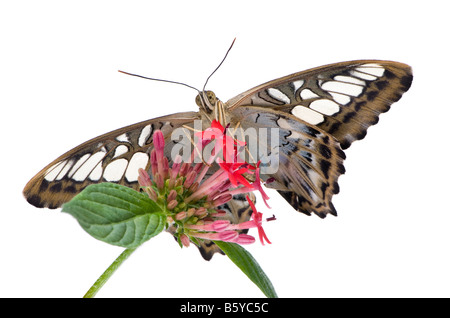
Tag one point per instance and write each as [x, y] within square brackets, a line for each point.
[108, 273]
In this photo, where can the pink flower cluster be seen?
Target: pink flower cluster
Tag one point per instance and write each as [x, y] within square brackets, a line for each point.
[191, 199]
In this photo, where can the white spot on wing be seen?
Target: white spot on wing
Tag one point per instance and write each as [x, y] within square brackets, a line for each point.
[95, 166]
[139, 160]
[363, 76]
[78, 164]
[123, 138]
[145, 133]
[307, 94]
[65, 169]
[115, 170]
[308, 115]
[341, 99]
[344, 88]
[325, 106]
[315, 177]
[297, 84]
[372, 69]
[88, 166]
[54, 170]
[278, 95]
[349, 79]
[96, 174]
[120, 150]
[284, 124]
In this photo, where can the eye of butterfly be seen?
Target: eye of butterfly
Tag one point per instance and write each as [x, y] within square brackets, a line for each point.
[318, 112]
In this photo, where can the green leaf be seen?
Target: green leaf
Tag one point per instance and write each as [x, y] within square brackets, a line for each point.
[245, 261]
[116, 214]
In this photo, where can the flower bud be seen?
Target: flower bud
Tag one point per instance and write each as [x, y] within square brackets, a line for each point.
[184, 240]
[200, 211]
[184, 169]
[222, 199]
[245, 239]
[190, 212]
[172, 195]
[165, 167]
[227, 236]
[172, 204]
[180, 216]
[219, 213]
[159, 180]
[194, 187]
[151, 193]
[158, 141]
[144, 178]
[219, 225]
[190, 178]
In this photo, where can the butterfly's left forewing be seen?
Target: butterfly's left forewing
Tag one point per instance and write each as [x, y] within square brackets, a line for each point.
[112, 157]
[116, 157]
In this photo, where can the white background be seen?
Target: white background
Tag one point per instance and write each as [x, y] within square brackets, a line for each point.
[59, 86]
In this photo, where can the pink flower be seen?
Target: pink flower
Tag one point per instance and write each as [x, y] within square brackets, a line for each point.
[245, 239]
[257, 185]
[184, 240]
[255, 222]
[235, 173]
[257, 219]
[143, 178]
[223, 142]
[226, 236]
[216, 226]
[190, 200]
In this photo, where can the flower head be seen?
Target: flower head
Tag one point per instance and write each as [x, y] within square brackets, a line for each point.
[190, 199]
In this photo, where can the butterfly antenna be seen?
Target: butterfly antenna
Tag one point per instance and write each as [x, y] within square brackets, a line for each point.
[160, 80]
[223, 60]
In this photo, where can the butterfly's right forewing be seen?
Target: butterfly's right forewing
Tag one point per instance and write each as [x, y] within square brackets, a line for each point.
[318, 112]
[343, 99]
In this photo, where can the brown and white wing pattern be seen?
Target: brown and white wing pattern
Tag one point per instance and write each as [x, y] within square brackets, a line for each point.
[310, 160]
[319, 112]
[112, 157]
[343, 99]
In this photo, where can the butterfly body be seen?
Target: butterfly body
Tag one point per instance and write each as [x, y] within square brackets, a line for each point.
[317, 113]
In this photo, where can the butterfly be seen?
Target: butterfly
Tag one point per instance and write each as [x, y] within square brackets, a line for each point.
[318, 113]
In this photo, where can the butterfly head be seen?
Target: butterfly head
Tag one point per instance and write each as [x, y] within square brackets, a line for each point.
[207, 101]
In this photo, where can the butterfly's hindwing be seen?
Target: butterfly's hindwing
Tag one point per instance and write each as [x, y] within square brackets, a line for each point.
[309, 159]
